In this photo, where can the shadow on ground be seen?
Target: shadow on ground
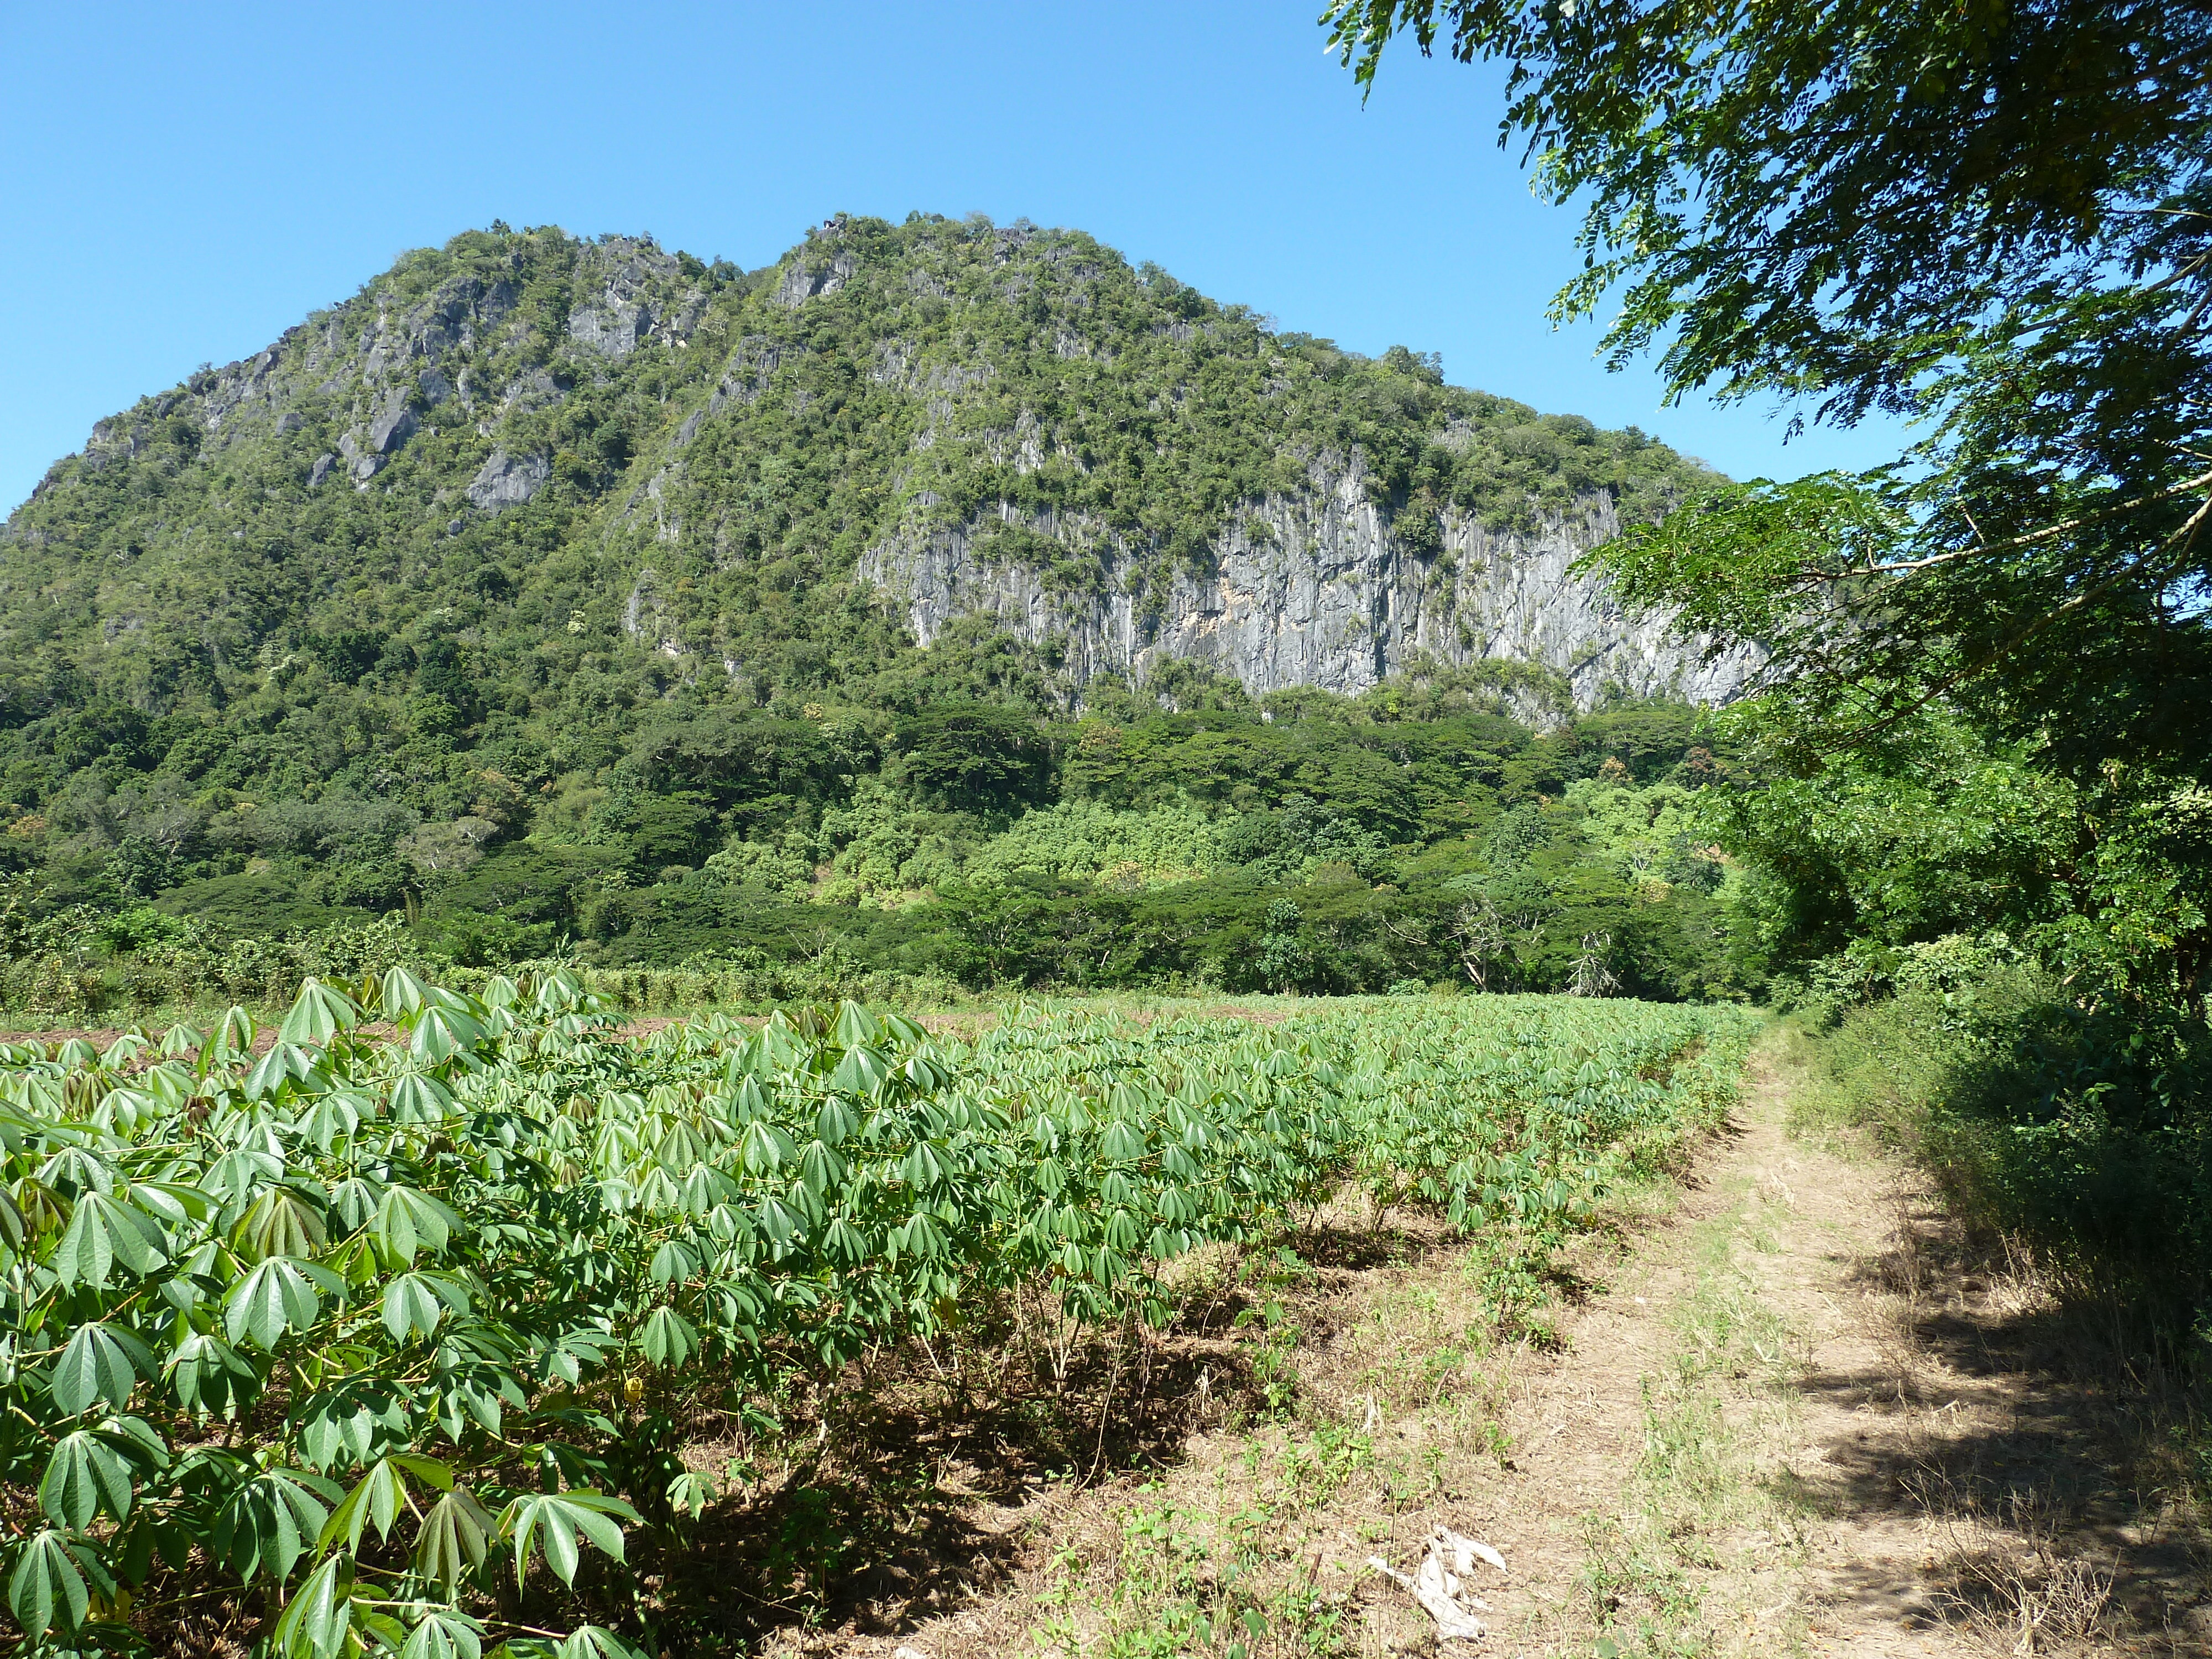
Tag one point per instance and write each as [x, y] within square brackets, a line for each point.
[2040, 1459]
[923, 1492]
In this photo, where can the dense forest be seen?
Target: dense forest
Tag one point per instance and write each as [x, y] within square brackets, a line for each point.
[1307, 843]
[518, 598]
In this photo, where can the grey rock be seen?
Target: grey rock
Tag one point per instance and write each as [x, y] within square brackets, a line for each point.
[665, 526]
[321, 469]
[506, 480]
[680, 322]
[454, 526]
[449, 318]
[111, 442]
[533, 391]
[290, 421]
[367, 468]
[755, 359]
[621, 274]
[805, 277]
[1315, 589]
[233, 386]
[349, 447]
[394, 426]
[610, 327]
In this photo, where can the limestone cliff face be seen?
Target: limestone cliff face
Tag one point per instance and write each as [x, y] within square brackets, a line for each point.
[378, 370]
[1313, 589]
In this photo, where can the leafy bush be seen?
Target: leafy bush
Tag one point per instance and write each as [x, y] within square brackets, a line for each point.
[2082, 1133]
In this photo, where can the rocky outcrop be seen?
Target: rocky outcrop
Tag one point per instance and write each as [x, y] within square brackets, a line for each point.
[621, 274]
[1316, 589]
[409, 346]
[752, 361]
[387, 432]
[806, 276]
[365, 377]
[393, 426]
[610, 328]
[506, 480]
[535, 390]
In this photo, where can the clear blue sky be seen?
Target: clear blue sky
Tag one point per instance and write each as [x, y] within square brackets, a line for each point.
[180, 183]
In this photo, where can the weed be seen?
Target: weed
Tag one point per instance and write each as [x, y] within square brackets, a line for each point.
[1318, 1470]
[2012, 1577]
[1643, 1603]
[1274, 1365]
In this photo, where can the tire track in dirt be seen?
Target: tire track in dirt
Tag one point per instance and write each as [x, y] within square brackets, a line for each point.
[1749, 1328]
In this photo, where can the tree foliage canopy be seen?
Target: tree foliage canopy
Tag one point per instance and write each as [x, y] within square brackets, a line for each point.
[1991, 219]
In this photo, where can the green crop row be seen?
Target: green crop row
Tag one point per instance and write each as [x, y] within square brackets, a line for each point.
[354, 1321]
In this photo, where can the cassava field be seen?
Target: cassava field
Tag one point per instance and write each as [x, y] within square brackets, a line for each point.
[446, 1324]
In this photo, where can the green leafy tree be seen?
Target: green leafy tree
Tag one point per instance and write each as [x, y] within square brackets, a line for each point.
[1286, 959]
[1993, 221]
[975, 757]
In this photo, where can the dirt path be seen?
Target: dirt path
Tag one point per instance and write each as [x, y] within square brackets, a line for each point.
[1721, 1452]
[1776, 1419]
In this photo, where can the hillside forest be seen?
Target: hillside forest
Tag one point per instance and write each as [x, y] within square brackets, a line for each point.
[515, 607]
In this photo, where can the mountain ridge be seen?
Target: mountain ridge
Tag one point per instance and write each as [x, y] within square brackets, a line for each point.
[464, 357]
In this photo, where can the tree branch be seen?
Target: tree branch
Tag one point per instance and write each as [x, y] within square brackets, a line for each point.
[2048, 532]
[2185, 533]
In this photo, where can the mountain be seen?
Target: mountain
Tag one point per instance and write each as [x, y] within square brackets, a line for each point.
[536, 534]
[498, 434]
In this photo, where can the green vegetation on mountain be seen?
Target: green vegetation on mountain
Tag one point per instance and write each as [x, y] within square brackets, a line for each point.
[518, 594]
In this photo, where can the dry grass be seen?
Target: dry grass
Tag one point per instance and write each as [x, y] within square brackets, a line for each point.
[2053, 1471]
[2013, 1576]
[2048, 1458]
[931, 1482]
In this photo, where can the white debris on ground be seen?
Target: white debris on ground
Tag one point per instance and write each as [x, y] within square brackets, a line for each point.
[1442, 1583]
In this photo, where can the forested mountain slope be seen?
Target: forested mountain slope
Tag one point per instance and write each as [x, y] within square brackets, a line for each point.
[551, 454]
[588, 545]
